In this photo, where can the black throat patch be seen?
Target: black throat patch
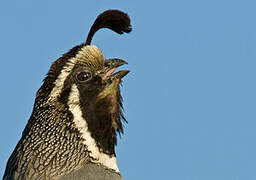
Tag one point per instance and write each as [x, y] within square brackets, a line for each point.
[104, 120]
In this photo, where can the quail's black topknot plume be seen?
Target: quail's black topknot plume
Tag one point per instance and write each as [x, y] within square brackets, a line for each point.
[115, 20]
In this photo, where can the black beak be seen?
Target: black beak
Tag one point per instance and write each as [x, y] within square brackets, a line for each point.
[114, 63]
[110, 65]
[120, 74]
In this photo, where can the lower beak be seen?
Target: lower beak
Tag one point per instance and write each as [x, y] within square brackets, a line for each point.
[120, 74]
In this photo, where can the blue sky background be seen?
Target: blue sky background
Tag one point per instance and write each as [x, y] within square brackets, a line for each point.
[190, 98]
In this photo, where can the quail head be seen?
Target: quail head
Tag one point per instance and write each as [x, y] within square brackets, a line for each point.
[77, 115]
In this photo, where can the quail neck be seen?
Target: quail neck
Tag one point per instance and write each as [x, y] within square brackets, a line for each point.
[89, 89]
[76, 117]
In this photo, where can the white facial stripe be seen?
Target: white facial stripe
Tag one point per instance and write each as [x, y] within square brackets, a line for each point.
[59, 83]
[82, 126]
[89, 54]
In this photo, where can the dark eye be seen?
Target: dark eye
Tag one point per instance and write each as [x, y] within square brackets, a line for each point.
[83, 76]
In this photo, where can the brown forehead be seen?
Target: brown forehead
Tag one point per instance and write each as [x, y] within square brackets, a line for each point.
[89, 55]
[81, 55]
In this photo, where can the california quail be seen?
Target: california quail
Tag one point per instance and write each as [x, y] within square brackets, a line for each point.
[77, 115]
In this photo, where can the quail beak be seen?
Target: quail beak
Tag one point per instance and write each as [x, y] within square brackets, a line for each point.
[111, 79]
[110, 65]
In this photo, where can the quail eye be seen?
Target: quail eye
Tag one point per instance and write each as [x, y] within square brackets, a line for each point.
[83, 76]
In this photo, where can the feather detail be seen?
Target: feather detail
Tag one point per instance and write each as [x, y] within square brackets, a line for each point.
[115, 20]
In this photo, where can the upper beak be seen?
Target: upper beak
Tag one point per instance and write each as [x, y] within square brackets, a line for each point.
[114, 63]
[110, 65]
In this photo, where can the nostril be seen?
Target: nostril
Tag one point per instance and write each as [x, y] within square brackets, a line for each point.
[107, 64]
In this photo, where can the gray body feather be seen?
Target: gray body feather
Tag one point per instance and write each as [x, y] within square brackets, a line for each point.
[92, 171]
[50, 146]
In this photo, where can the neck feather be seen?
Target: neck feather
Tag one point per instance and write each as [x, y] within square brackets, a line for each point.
[99, 154]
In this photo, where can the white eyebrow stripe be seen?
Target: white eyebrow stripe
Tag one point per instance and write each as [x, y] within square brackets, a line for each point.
[59, 82]
[87, 53]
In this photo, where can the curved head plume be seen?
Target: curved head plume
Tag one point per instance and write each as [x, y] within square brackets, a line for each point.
[115, 20]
